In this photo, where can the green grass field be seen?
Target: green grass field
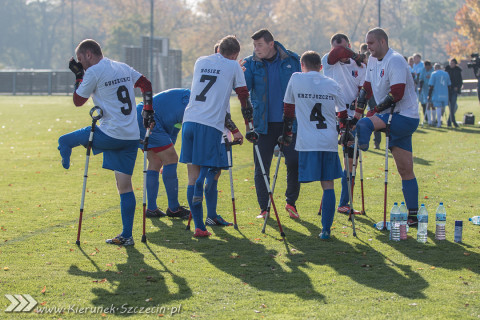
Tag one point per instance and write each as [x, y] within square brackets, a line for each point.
[240, 274]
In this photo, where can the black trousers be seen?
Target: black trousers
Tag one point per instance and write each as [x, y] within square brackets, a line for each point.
[266, 146]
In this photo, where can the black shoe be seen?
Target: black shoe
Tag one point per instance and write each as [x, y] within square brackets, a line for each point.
[377, 146]
[157, 213]
[182, 212]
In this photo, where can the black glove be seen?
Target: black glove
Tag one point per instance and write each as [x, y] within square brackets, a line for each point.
[345, 138]
[287, 135]
[386, 103]
[251, 136]
[285, 140]
[76, 68]
[359, 58]
[361, 101]
[148, 118]
[247, 112]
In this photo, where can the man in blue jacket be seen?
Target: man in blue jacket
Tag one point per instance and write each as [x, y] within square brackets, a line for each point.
[267, 73]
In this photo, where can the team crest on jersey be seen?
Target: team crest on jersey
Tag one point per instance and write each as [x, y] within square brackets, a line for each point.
[382, 73]
[354, 73]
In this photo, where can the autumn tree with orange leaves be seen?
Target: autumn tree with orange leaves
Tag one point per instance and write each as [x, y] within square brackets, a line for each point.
[467, 40]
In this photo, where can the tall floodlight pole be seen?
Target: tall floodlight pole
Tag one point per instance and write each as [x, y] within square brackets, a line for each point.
[151, 42]
[379, 14]
[72, 27]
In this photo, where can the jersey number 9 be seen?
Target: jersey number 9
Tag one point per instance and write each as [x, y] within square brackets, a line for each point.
[124, 97]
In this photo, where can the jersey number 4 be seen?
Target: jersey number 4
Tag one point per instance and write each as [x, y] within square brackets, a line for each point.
[316, 115]
[211, 80]
[124, 97]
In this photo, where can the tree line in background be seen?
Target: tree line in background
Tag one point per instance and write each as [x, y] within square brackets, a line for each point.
[39, 32]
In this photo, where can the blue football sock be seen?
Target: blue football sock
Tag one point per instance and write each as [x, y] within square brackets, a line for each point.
[127, 208]
[72, 140]
[152, 189]
[190, 190]
[197, 202]
[364, 130]
[195, 208]
[328, 208]
[198, 191]
[410, 193]
[211, 193]
[344, 200]
[170, 181]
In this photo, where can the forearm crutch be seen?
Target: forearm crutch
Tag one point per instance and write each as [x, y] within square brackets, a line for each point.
[145, 150]
[361, 181]
[387, 138]
[228, 146]
[279, 157]
[95, 118]
[259, 158]
[351, 216]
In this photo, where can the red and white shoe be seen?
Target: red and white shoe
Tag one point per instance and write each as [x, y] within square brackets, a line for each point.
[262, 215]
[200, 233]
[292, 211]
[346, 209]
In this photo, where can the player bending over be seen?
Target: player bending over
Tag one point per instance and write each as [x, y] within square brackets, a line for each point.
[169, 107]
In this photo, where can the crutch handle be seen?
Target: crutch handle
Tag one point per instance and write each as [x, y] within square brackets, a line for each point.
[99, 112]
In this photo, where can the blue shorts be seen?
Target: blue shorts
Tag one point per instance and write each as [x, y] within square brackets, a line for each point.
[201, 145]
[118, 155]
[318, 166]
[440, 103]
[159, 139]
[401, 130]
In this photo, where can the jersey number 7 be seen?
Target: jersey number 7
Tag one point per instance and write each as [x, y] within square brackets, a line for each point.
[316, 115]
[211, 80]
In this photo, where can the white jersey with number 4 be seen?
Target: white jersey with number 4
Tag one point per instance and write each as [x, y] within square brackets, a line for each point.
[111, 85]
[393, 69]
[317, 98]
[349, 76]
[214, 77]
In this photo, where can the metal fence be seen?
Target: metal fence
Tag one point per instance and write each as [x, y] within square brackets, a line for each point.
[37, 82]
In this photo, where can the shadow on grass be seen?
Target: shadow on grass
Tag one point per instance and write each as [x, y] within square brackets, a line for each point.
[422, 162]
[360, 262]
[442, 254]
[134, 283]
[249, 261]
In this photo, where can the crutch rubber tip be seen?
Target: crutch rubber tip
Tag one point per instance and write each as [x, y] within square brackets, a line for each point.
[77, 242]
[319, 213]
[282, 234]
[187, 228]
[235, 227]
[144, 238]
[355, 234]
[263, 231]
[364, 213]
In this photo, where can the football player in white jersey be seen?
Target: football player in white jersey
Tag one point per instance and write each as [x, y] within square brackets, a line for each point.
[348, 70]
[315, 100]
[111, 84]
[389, 80]
[214, 77]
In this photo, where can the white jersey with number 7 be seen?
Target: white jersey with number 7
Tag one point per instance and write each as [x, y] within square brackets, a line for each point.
[214, 77]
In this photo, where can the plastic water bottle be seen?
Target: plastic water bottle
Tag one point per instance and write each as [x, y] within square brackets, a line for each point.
[440, 217]
[457, 236]
[475, 220]
[395, 223]
[403, 221]
[422, 224]
[379, 225]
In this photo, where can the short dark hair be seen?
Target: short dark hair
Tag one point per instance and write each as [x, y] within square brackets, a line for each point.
[228, 46]
[379, 33]
[427, 63]
[338, 37]
[454, 60]
[215, 47]
[89, 45]
[263, 33]
[311, 60]
[363, 47]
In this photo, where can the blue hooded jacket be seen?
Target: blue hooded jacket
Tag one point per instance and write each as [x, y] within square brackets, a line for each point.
[256, 76]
